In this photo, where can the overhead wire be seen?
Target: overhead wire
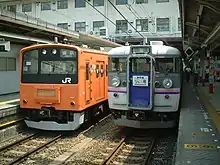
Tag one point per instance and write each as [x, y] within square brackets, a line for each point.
[106, 18]
[134, 13]
[125, 18]
[141, 6]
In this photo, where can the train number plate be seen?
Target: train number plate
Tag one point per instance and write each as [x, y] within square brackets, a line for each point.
[140, 81]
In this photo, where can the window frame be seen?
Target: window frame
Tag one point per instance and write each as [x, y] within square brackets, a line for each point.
[141, 24]
[80, 5]
[62, 25]
[62, 4]
[26, 4]
[10, 7]
[118, 28]
[94, 22]
[121, 2]
[162, 1]
[43, 3]
[141, 1]
[98, 3]
[81, 27]
[163, 20]
[6, 68]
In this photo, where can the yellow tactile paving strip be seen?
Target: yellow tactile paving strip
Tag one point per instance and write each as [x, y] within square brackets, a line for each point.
[9, 101]
[210, 109]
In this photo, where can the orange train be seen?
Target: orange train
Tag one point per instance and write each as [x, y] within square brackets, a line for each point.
[62, 86]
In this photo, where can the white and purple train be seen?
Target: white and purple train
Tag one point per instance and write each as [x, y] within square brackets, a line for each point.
[145, 82]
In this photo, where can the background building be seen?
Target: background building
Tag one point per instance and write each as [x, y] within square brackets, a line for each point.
[150, 18]
[134, 20]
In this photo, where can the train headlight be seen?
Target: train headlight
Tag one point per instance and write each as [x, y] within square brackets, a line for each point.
[167, 83]
[54, 51]
[115, 81]
[44, 51]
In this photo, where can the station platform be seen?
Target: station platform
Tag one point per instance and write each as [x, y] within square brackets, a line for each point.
[9, 104]
[198, 138]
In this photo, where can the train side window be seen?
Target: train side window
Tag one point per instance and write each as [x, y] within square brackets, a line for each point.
[106, 70]
[102, 70]
[87, 71]
[177, 65]
[97, 71]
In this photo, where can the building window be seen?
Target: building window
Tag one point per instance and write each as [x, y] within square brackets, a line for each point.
[163, 24]
[45, 6]
[98, 2]
[121, 26]
[162, 1]
[97, 25]
[179, 24]
[80, 26]
[141, 1]
[121, 2]
[62, 4]
[63, 25]
[7, 64]
[11, 8]
[3, 64]
[11, 64]
[142, 25]
[27, 7]
[80, 3]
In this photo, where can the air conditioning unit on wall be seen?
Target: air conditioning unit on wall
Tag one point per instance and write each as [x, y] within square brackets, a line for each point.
[5, 46]
[103, 32]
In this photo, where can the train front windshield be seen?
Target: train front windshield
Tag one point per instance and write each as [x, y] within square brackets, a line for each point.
[117, 64]
[49, 66]
[167, 65]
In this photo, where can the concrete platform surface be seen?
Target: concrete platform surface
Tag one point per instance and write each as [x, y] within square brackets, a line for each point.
[198, 139]
[211, 102]
[9, 104]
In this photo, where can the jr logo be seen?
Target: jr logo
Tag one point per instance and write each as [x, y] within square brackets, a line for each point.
[66, 80]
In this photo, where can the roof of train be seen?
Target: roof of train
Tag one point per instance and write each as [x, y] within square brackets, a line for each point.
[64, 45]
[156, 50]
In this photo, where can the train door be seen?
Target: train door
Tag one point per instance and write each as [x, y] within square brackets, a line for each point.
[100, 80]
[140, 73]
[88, 83]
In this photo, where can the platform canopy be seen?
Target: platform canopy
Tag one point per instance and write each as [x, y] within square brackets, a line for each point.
[201, 24]
[22, 28]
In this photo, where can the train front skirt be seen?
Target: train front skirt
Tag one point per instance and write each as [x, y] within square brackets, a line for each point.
[54, 126]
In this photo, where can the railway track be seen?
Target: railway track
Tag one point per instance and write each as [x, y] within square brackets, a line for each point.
[19, 150]
[135, 150]
[26, 150]
[141, 149]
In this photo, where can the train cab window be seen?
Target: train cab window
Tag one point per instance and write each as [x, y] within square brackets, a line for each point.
[102, 71]
[97, 71]
[87, 71]
[30, 62]
[140, 65]
[177, 64]
[117, 64]
[165, 65]
[49, 65]
[58, 67]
